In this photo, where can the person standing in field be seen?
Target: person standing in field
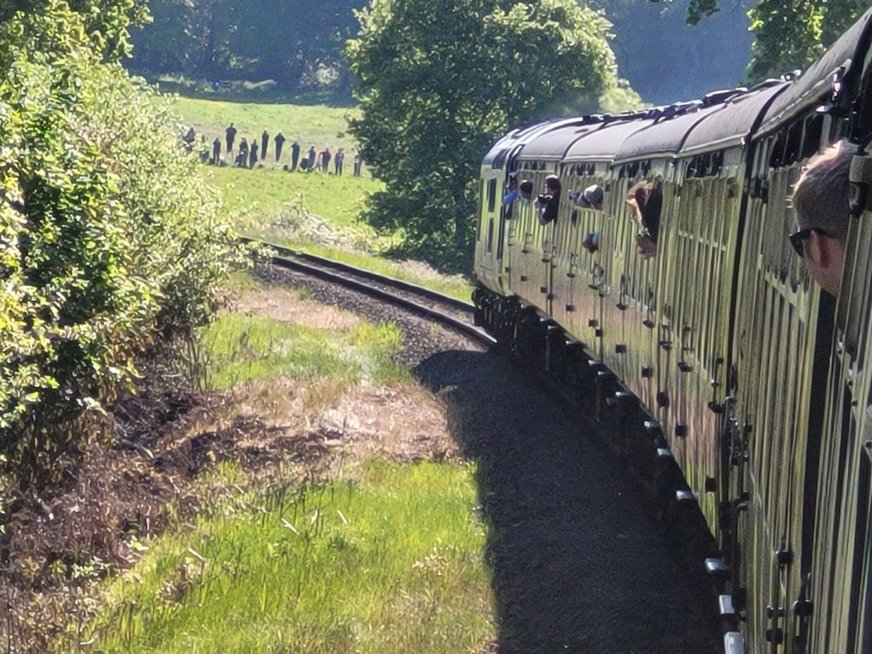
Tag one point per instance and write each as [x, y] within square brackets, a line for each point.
[358, 163]
[337, 161]
[325, 160]
[295, 154]
[310, 157]
[189, 138]
[264, 144]
[252, 157]
[230, 132]
[280, 143]
[216, 151]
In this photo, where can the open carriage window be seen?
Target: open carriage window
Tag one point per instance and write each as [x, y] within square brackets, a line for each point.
[491, 195]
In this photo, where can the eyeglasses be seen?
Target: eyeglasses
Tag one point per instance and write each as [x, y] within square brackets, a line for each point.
[797, 238]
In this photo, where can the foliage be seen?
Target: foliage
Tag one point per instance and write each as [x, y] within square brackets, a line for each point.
[438, 80]
[105, 21]
[289, 41]
[788, 34]
[106, 242]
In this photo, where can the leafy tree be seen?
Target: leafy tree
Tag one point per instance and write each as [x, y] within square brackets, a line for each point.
[438, 79]
[107, 241]
[284, 40]
[787, 35]
[106, 22]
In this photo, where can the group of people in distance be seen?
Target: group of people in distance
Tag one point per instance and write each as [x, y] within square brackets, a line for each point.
[251, 152]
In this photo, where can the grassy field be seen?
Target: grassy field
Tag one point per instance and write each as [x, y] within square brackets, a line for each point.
[373, 557]
[313, 211]
[388, 561]
[259, 200]
[246, 347]
[317, 125]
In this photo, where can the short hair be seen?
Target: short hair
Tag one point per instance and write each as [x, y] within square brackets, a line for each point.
[526, 188]
[552, 182]
[592, 195]
[821, 195]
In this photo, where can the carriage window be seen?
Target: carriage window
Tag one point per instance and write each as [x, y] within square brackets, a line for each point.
[812, 140]
[794, 143]
[776, 158]
[491, 194]
[478, 225]
[500, 158]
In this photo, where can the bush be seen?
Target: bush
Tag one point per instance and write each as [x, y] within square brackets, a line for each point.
[107, 242]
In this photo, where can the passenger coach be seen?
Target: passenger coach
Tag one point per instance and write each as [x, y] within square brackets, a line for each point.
[717, 356]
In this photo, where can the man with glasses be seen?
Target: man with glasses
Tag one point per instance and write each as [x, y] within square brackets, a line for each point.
[821, 202]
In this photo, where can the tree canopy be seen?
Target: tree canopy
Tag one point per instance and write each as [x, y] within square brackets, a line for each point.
[288, 41]
[438, 79]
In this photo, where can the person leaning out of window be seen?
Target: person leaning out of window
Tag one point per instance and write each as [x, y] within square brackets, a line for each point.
[549, 202]
[821, 201]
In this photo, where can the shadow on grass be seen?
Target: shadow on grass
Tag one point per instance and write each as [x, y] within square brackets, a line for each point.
[577, 564]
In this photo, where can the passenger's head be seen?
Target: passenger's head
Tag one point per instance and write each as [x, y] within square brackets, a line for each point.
[552, 183]
[591, 197]
[637, 196]
[821, 203]
[526, 189]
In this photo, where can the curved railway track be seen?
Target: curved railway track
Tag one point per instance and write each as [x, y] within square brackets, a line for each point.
[578, 502]
[447, 311]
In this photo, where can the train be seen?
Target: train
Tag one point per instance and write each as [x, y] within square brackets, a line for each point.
[738, 389]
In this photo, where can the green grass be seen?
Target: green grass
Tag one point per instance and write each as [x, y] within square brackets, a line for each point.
[247, 348]
[257, 201]
[315, 212]
[389, 563]
[317, 125]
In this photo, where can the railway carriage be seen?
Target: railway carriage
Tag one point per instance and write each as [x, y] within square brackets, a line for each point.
[719, 353]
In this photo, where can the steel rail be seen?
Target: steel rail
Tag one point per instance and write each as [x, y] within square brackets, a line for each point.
[368, 274]
[320, 268]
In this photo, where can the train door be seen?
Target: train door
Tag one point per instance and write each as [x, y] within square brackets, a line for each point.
[566, 274]
[776, 347]
[525, 234]
[699, 303]
[661, 321]
[840, 583]
[678, 275]
[558, 259]
[637, 301]
[613, 284]
[490, 216]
